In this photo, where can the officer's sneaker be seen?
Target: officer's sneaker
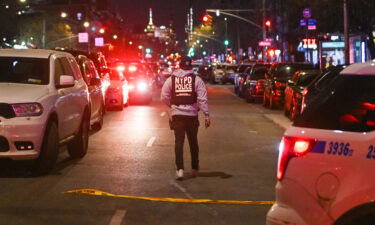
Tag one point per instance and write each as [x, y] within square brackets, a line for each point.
[180, 174]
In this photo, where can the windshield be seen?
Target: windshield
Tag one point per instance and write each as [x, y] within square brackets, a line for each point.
[115, 75]
[242, 68]
[24, 70]
[347, 104]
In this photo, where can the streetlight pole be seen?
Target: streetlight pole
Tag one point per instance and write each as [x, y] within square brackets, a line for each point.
[264, 29]
[346, 32]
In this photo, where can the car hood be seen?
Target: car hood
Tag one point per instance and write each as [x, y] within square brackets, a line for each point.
[21, 93]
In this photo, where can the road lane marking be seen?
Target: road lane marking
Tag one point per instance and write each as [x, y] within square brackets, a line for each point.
[151, 141]
[118, 217]
[163, 114]
[182, 189]
[175, 200]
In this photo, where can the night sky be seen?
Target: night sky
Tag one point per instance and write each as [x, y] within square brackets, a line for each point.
[136, 12]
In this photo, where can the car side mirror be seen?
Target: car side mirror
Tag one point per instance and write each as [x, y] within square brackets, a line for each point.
[65, 81]
[95, 82]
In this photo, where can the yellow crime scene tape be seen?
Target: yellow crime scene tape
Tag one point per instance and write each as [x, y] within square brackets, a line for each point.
[175, 200]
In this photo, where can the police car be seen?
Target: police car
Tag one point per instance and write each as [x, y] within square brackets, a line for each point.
[327, 158]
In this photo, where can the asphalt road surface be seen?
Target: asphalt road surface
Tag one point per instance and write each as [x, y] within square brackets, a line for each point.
[134, 155]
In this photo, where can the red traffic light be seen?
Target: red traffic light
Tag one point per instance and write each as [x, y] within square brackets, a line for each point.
[205, 18]
[268, 23]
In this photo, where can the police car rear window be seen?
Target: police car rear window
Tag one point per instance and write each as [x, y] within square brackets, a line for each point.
[348, 104]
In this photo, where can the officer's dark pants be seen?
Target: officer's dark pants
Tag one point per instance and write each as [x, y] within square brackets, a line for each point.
[188, 125]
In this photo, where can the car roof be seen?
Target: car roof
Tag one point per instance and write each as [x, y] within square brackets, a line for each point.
[367, 68]
[34, 53]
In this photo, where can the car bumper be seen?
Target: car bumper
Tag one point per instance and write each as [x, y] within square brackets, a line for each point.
[16, 130]
[296, 206]
[113, 100]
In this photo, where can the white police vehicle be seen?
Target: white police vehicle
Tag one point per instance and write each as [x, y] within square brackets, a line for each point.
[44, 103]
[327, 158]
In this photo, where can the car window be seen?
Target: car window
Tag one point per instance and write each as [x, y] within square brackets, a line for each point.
[347, 104]
[259, 73]
[59, 71]
[77, 71]
[66, 66]
[24, 70]
[295, 77]
[306, 79]
[287, 70]
[326, 79]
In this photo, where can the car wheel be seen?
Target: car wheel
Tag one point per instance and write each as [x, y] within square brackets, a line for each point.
[121, 106]
[286, 110]
[293, 111]
[265, 101]
[49, 151]
[77, 148]
[98, 125]
[271, 103]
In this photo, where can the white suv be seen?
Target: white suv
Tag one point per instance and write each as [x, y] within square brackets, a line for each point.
[44, 103]
[327, 158]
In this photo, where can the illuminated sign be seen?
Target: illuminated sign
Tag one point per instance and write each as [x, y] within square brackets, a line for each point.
[311, 24]
[99, 42]
[309, 43]
[264, 43]
[83, 37]
[333, 44]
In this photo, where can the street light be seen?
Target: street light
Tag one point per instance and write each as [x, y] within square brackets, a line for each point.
[63, 14]
[102, 31]
[86, 24]
[115, 36]
[22, 1]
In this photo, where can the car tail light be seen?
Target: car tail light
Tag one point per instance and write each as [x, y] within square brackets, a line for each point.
[132, 68]
[278, 84]
[120, 68]
[131, 87]
[292, 147]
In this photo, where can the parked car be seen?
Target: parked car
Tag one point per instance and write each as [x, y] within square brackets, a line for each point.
[240, 75]
[217, 73]
[44, 104]
[204, 72]
[319, 83]
[253, 86]
[326, 157]
[100, 63]
[229, 73]
[95, 87]
[276, 79]
[118, 92]
[294, 90]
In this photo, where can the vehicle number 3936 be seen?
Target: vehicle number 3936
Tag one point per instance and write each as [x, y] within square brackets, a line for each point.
[371, 152]
[340, 148]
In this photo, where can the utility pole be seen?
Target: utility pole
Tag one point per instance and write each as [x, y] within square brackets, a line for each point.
[264, 28]
[346, 32]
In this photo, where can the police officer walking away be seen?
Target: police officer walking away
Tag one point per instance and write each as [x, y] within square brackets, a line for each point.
[186, 94]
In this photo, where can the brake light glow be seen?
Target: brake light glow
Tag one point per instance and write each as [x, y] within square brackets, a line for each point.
[132, 68]
[142, 86]
[292, 147]
[278, 84]
[131, 87]
[120, 68]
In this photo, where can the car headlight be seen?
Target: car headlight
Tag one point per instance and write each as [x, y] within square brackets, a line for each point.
[142, 86]
[27, 109]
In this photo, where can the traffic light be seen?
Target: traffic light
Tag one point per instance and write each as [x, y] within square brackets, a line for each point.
[226, 42]
[207, 20]
[267, 24]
